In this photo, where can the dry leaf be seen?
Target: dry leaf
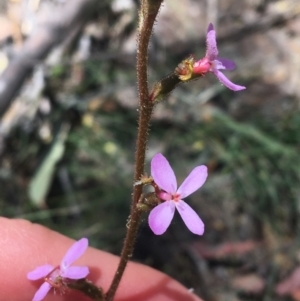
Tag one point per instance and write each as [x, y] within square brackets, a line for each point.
[290, 284]
[251, 284]
[226, 249]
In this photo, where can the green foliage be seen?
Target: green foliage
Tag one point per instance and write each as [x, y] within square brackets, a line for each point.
[262, 161]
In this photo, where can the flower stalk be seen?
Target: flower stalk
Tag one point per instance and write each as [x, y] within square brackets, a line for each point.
[148, 12]
[87, 288]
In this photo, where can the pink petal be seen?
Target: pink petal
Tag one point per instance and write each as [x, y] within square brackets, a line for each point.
[163, 174]
[226, 82]
[211, 44]
[75, 272]
[42, 292]
[160, 217]
[228, 64]
[217, 65]
[40, 272]
[193, 182]
[190, 218]
[75, 251]
[210, 27]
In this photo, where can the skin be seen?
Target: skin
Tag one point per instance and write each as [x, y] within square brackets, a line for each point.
[24, 246]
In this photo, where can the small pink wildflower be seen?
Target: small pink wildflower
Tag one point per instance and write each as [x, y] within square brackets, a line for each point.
[54, 276]
[163, 175]
[212, 63]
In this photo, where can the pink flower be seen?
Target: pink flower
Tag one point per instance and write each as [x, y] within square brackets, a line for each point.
[54, 276]
[212, 63]
[163, 175]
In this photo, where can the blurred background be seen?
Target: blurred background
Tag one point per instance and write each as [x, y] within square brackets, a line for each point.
[68, 106]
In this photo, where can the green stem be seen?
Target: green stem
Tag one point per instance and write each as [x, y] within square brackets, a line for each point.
[148, 12]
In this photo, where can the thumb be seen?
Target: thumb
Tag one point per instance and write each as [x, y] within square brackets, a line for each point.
[24, 246]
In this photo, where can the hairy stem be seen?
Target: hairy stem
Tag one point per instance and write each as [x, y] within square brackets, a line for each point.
[148, 12]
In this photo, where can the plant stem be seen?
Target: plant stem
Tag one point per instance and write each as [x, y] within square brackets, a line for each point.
[148, 14]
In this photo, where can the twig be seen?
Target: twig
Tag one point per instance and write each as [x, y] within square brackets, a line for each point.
[55, 27]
